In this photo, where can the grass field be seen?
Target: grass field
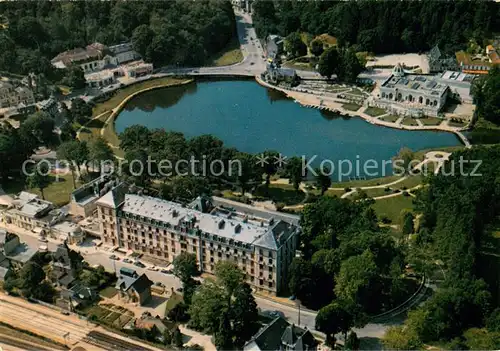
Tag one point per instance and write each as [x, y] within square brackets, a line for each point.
[93, 128]
[375, 192]
[408, 121]
[355, 91]
[409, 182]
[108, 292]
[390, 118]
[230, 55]
[58, 192]
[431, 121]
[392, 206]
[374, 111]
[284, 193]
[351, 107]
[368, 182]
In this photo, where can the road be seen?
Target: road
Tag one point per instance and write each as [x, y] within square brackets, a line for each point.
[99, 256]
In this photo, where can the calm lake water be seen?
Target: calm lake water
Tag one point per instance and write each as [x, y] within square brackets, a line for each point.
[252, 118]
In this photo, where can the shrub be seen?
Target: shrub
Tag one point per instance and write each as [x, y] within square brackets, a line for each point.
[405, 193]
[387, 189]
[216, 192]
[385, 220]
[347, 189]
[280, 206]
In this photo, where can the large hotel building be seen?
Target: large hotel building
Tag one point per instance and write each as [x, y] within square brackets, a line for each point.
[262, 243]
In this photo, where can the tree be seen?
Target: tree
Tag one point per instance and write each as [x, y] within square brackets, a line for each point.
[294, 45]
[177, 337]
[481, 339]
[134, 137]
[40, 126]
[184, 188]
[39, 179]
[141, 39]
[136, 166]
[244, 315]
[80, 111]
[269, 167]
[100, 154]
[350, 66]
[327, 321]
[223, 338]
[356, 275]
[352, 342]
[185, 266]
[295, 171]
[247, 173]
[401, 338]
[74, 77]
[329, 62]
[208, 304]
[486, 92]
[404, 161]
[30, 277]
[323, 180]
[317, 47]
[74, 153]
[406, 222]
[229, 275]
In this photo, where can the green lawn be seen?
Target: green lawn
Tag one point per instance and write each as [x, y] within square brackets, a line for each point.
[284, 193]
[367, 182]
[409, 182]
[408, 121]
[355, 91]
[375, 111]
[375, 192]
[58, 192]
[93, 128]
[108, 292]
[390, 118]
[431, 121]
[230, 55]
[392, 206]
[351, 107]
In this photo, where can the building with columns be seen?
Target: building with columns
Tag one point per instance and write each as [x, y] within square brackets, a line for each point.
[263, 248]
[411, 95]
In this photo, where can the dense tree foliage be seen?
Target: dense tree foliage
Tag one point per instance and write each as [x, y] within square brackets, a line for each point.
[459, 207]
[486, 92]
[164, 32]
[382, 27]
[225, 307]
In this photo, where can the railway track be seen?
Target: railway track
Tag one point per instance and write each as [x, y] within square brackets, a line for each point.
[110, 343]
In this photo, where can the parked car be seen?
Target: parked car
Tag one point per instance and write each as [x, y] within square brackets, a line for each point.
[274, 314]
[127, 260]
[139, 264]
[153, 268]
[166, 271]
[159, 284]
[114, 257]
[66, 313]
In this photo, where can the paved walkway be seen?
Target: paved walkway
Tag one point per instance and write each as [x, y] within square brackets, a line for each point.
[332, 104]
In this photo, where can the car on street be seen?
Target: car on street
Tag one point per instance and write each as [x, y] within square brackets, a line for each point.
[126, 260]
[153, 268]
[159, 284]
[166, 271]
[114, 257]
[273, 314]
[139, 264]
[66, 313]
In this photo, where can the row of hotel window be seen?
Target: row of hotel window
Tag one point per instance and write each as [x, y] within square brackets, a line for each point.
[411, 99]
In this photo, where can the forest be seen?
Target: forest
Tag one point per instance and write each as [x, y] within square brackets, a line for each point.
[383, 27]
[164, 32]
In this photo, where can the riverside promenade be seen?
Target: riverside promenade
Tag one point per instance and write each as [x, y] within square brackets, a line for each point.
[330, 103]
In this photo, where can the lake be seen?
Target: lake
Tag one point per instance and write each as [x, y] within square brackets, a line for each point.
[253, 119]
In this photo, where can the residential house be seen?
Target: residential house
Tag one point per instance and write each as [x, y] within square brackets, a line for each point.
[68, 231]
[93, 57]
[13, 96]
[13, 253]
[137, 69]
[50, 105]
[274, 46]
[124, 53]
[478, 64]
[79, 295]
[147, 322]
[65, 265]
[83, 199]
[134, 287]
[5, 267]
[100, 79]
[439, 63]
[281, 335]
[30, 212]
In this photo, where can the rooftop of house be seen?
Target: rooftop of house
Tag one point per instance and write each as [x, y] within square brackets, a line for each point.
[120, 48]
[269, 235]
[91, 52]
[3, 272]
[464, 58]
[22, 253]
[279, 333]
[418, 83]
[139, 283]
[30, 205]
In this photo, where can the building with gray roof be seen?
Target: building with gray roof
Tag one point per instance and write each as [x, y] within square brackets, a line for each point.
[263, 246]
[412, 95]
[133, 286]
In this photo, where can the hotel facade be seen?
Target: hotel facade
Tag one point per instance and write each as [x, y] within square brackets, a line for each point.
[263, 248]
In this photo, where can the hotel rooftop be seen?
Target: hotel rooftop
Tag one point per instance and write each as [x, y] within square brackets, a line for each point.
[418, 83]
[219, 222]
